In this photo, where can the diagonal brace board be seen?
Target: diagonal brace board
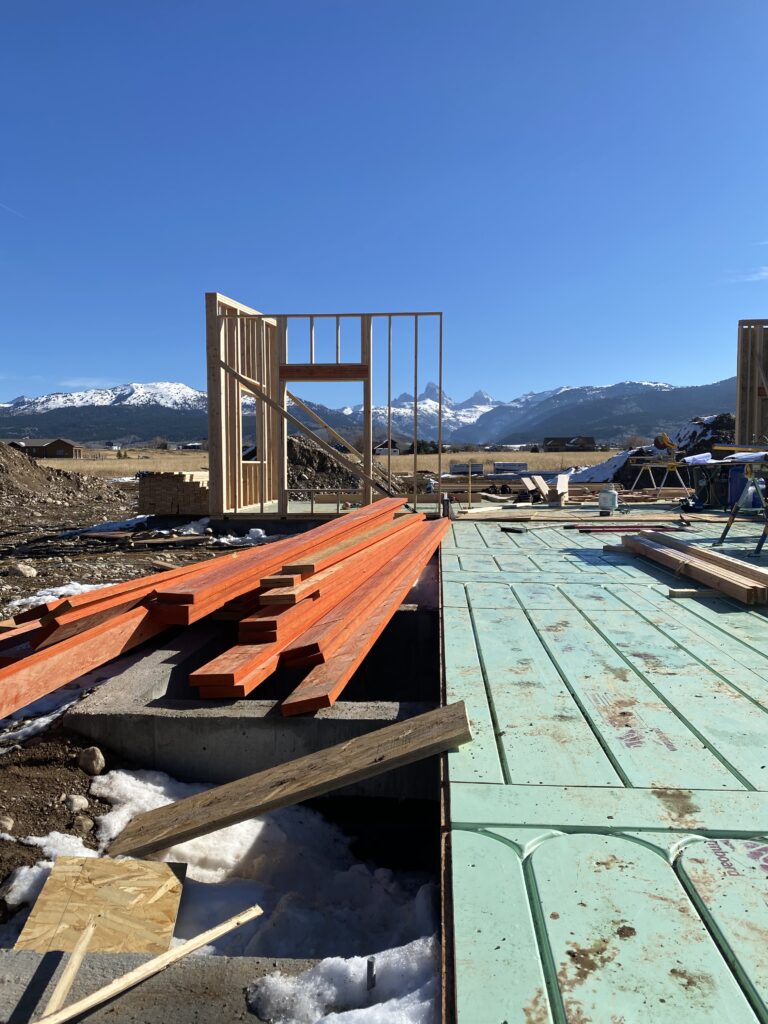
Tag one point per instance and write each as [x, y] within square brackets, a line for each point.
[301, 779]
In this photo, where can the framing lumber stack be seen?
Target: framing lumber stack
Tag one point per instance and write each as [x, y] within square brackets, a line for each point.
[316, 601]
[166, 494]
[737, 579]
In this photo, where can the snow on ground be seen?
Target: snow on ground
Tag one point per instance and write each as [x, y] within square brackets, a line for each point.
[108, 527]
[318, 900]
[336, 990]
[603, 472]
[52, 594]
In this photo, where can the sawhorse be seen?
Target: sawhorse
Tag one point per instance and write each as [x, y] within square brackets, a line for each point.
[752, 472]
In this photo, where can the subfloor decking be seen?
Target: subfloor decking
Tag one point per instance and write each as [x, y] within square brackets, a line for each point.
[607, 854]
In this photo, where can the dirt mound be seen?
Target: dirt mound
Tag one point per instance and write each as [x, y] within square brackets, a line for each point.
[704, 432]
[22, 477]
[309, 466]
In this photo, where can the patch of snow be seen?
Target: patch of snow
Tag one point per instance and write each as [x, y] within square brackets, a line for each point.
[20, 604]
[747, 457]
[318, 900]
[603, 472]
[335, 990]
[60, 844]
[196, 528]
[109, 526]
[123, 479]
[254, 536]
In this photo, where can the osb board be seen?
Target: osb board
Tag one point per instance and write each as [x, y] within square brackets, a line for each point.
[137, 902]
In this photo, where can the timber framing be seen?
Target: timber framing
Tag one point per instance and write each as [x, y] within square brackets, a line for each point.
[247, 358]
[752, 383]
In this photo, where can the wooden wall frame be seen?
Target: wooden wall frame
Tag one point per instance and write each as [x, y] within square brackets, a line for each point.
[247, 354]
[752, 383]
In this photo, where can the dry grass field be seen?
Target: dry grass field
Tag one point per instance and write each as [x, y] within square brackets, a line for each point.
[107, 465]
[537, 461]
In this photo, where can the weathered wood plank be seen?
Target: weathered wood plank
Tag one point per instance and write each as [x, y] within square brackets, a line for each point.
[297, 780]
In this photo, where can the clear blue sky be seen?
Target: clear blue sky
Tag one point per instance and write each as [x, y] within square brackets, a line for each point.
[579, 184]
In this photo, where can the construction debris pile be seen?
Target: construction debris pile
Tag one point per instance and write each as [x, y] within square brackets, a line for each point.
[316, 602]
[311, 468]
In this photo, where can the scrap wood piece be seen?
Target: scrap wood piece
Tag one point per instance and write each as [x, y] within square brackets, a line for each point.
[348, 615]
[295, 781]
[68, 975]
[541, 486]
[134, 904]
[44, 671]
[149, 969]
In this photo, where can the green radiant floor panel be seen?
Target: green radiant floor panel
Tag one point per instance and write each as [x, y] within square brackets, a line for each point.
[607, 853]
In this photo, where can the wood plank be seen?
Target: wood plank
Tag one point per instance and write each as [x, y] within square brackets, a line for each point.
[147, 970]
[268, 559]
[335, 625]
[73, 965]
[324, 557]
[323, 371]
[323, 684]
[134, 903]
[61, 625]
[301, 779]
[717, 558]
[47, 670]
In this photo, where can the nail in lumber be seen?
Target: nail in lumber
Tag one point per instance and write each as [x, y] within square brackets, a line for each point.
[301, 779]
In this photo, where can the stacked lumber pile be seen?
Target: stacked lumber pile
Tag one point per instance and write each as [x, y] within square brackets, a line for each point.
[744, 582]
[317, 601]
[166, 494]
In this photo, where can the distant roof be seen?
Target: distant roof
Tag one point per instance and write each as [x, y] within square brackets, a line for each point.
[39, 441]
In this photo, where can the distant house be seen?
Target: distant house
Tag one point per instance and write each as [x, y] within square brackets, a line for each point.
[386, 449]
[569, 444]
[48, 447]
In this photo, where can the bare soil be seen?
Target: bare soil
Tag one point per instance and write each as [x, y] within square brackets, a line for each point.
[35, 780]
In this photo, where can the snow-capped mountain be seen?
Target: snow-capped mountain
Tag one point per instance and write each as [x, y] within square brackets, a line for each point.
[134, 412]
[169, 394]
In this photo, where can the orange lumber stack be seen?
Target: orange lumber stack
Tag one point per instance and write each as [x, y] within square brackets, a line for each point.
[315, 601]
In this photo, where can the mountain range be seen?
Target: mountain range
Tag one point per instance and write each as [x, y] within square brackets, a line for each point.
[139, 412]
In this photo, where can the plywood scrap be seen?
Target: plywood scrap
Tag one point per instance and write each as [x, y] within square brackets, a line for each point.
[301, 779]
[134, 904]
[149, 969]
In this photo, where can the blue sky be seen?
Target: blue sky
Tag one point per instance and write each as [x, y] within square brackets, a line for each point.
[580, 185]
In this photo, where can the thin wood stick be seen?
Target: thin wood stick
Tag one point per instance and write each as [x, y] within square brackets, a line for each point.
[149, 969]
[68, 975]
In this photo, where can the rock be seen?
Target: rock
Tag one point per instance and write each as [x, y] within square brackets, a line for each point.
[91, 760]
[6, 823]
[21, 569]
[76, 803]
[83, 823]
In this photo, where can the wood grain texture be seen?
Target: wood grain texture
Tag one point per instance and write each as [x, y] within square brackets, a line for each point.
[301, 779]
[134, 905]
[147, 970]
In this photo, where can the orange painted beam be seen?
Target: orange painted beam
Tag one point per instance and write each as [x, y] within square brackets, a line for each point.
[323, 684]
[45, 671]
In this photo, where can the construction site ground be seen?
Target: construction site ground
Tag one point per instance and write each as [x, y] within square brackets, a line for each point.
[607, 823]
